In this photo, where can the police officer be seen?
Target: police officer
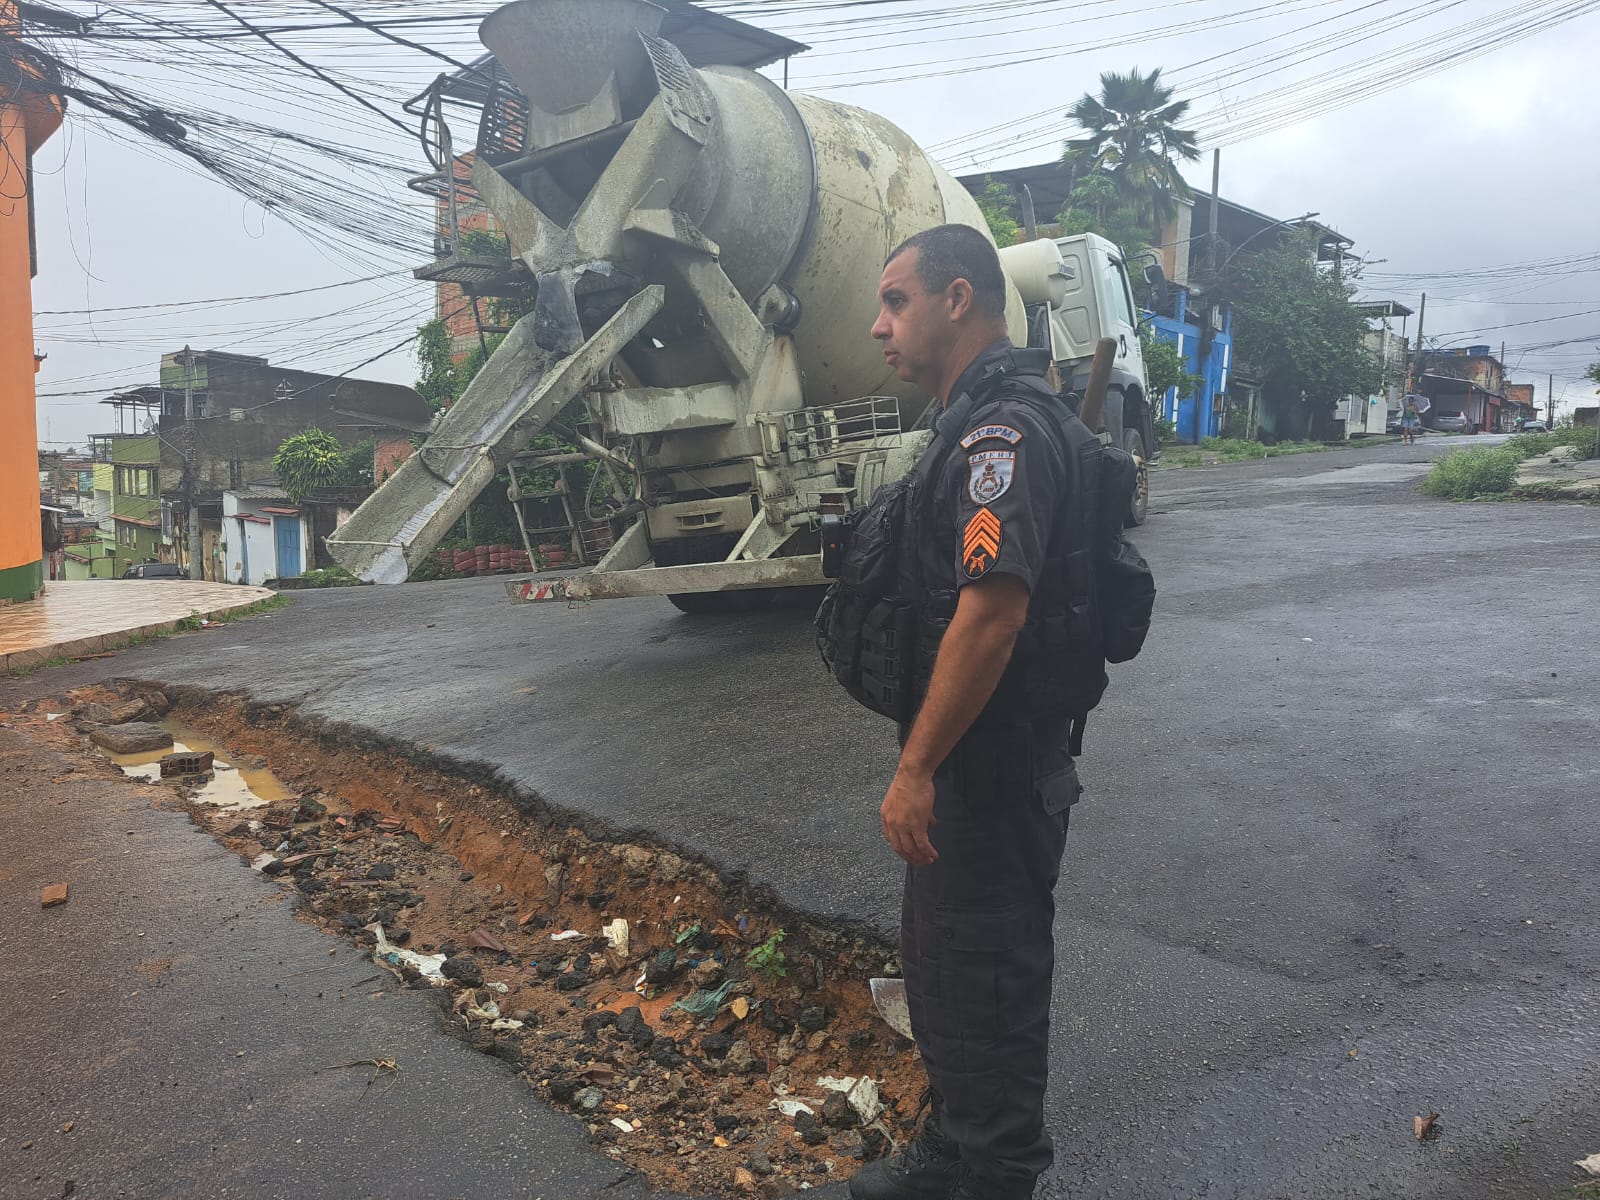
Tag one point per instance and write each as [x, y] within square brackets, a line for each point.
[978, 804]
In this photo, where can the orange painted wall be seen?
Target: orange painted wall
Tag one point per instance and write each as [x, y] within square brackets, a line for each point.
[29, 116]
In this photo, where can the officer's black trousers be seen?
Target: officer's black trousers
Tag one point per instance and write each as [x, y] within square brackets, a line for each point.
[978, 948]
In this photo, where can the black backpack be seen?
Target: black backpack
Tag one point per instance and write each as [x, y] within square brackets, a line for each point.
[1099, 593]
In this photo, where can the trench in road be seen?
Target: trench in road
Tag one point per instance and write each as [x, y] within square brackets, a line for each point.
[455, 865]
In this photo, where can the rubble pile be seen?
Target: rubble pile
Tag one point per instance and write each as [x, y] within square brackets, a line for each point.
[706, 1044]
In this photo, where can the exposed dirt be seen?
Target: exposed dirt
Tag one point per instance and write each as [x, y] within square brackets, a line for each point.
[451, 867]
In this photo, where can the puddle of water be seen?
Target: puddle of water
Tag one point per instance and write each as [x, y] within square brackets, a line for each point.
[230, 786]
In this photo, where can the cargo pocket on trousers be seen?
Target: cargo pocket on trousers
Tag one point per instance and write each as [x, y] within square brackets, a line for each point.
[1058, 791]
[972, 958]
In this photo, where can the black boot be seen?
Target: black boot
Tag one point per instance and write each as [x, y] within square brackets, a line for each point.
[967, 1187]
[925, 1170]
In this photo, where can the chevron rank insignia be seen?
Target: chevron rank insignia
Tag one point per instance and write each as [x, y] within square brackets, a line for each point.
[984, 433]
[980, 544]
[991, 472]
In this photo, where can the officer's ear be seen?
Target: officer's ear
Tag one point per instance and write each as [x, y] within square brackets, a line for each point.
[961, 299]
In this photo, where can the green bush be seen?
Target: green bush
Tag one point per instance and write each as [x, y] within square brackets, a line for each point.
[1466, 474]
[1529, 445]
[326, 577]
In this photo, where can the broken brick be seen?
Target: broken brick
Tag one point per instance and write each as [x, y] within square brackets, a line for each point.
[53, 895]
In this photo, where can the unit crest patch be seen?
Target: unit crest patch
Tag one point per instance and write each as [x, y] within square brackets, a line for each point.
[980, 543]
[991, 474]
[984, 433]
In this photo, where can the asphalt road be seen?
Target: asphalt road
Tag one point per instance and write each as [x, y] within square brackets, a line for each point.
[1334, 868]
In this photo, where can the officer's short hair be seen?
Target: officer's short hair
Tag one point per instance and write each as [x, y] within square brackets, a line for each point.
[946, 253]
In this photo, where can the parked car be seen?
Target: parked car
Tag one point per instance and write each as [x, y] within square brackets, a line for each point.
[1536, 427]
[1449, 420]
[1391, 424]
[155, 571]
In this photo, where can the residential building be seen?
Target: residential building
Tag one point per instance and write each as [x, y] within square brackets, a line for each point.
[31, 110]
[1466, 379]
[244, 408]
[1365, 416]
[1521, 404]
[266, 536]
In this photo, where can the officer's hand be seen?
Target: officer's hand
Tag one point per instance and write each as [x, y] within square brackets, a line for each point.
[907, 813]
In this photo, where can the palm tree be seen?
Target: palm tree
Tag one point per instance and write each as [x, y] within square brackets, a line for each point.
[1131, 135]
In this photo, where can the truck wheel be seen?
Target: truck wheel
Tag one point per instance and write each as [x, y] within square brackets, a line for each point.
[1139, 508]
[705, 604]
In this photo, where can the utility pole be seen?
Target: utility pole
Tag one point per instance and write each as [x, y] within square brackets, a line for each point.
[192, 509]
[1550, 400]
[1414, 375]
[1211, 239]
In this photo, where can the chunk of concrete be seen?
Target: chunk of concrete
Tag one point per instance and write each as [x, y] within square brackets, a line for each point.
[134, 738]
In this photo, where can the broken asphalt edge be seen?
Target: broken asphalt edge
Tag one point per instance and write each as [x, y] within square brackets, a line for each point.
[741, 890]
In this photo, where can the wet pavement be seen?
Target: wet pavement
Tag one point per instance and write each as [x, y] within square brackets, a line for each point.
[77, 617]
[1334, 868]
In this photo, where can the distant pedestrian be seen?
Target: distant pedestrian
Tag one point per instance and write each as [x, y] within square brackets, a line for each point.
[1410, 422]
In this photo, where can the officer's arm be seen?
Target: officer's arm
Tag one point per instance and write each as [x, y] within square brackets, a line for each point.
[972, 656]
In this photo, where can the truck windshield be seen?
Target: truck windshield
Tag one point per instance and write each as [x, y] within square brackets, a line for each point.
[1117, 289]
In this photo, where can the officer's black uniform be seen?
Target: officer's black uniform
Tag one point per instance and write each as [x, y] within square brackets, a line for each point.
[977, 938]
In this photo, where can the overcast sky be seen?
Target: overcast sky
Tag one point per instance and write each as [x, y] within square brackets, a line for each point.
[1443, 174]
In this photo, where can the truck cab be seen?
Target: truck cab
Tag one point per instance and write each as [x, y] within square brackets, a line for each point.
[1076, 291]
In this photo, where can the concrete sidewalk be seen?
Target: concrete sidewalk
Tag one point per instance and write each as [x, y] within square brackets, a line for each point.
[173, 1031]
[75, 618]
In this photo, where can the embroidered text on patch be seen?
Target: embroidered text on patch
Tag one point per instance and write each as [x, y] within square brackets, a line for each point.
[984, 433]
[980, 544]
[991, 474]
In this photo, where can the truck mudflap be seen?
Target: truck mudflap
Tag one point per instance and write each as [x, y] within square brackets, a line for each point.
[520, 390]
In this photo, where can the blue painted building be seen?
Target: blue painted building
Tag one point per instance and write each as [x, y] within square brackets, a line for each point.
[1203, 334]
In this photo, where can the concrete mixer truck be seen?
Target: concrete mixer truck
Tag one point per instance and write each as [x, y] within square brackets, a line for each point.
[703, 249]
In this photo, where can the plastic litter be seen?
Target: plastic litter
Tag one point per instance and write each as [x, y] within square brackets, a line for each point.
[862, 1094]
[688, 935]
[704, 1003]
[1590, 1164]
[617, 936]
[567, 935]
[625, 1126]
[384, 953]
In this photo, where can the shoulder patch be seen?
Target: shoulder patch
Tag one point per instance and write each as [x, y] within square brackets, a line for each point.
[980, 543]
[984, 433]
[990, 474]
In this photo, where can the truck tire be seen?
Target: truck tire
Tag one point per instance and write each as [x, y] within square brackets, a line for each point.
[1139, 508]
[707, 604]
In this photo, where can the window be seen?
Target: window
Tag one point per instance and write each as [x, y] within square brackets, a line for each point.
[1116, 284]
[135, 481]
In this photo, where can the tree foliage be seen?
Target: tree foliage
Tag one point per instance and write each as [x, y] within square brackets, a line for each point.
[436, 381]
[1592, 372]
[1165, 368]
[1296, 326]
[996, 201]
[314, 458]
[1097, 207]
[1132, 137]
